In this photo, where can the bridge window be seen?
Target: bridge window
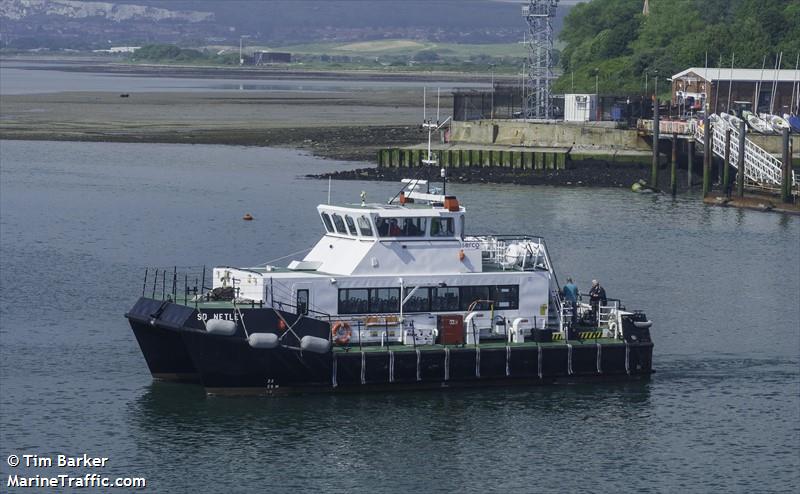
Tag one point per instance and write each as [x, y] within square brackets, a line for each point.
[401, 227]
[351, 225]
[364, 226]
[442, 227]
[338, 222]
[326, 219]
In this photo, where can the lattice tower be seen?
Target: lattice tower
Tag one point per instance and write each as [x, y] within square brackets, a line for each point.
[539, 15]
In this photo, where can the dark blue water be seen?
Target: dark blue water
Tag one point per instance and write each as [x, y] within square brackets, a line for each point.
[80, 221]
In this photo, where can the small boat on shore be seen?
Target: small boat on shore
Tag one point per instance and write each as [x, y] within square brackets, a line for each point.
[758, 124]
[777, 123]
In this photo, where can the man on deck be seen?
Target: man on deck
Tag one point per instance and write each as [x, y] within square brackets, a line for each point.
[597, 296]
[571, 297]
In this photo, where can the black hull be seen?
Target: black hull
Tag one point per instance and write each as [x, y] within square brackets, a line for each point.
[228, 365]
[157, 327]
[176, 346]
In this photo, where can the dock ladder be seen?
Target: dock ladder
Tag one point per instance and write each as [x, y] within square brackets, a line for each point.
[761, 169]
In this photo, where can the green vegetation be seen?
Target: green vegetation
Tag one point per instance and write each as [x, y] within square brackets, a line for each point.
[174, 54]
[395, 55]
[613, 41]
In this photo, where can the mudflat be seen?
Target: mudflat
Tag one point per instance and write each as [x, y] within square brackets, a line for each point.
[348, 124]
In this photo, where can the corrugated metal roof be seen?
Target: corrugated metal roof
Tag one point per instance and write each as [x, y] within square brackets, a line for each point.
[747, 75]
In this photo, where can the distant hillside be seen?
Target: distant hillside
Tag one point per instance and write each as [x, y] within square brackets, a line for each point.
[611, 38]
[82, 24]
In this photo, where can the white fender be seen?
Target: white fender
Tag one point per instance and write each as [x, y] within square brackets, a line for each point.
[221, 327]
[265, 341]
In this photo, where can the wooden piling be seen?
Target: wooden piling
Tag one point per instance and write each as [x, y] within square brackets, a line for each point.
[656, 131]
[673, 173]
[726, 166]
[690, 164]
[707, 153]
[786, 176]
[740, 161]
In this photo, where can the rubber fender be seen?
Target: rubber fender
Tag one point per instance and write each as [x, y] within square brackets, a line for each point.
[221, 327]
[642, 324]
[264, 341]
[314, 344]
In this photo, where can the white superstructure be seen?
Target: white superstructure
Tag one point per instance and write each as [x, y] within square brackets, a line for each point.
[387, 269]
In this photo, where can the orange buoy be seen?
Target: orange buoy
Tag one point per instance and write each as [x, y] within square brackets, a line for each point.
[247, 217]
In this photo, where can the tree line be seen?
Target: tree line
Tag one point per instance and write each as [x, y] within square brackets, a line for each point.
[611, 43]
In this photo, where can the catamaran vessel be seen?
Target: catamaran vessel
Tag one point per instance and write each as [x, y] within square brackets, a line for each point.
[394, 295]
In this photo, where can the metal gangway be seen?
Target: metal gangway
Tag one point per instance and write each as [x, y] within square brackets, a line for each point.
[761, 169]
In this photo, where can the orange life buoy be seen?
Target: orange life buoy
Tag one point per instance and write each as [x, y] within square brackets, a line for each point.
[341, 333]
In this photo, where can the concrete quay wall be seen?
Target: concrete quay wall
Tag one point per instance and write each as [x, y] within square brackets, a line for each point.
[587, 137]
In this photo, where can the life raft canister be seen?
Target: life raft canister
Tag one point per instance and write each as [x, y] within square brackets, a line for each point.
[341, 333]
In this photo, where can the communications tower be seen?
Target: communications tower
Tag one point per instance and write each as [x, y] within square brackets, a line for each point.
[539, 15]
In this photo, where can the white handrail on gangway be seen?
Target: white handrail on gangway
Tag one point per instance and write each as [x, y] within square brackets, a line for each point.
[760, 167]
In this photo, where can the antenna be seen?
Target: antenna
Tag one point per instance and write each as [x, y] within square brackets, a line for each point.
[424, 104]
[437, 105]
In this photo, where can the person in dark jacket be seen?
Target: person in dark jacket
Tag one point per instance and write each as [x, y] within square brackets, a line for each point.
[597, 296]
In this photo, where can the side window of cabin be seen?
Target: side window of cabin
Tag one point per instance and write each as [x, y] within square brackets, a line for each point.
[338, 222]
[353, 301]
[351, 225]
[442, 227]
[471, 294]
[444, 299]
[327, 221]
[420, 301]
[384, 299]
[364, 226]
[505, 296]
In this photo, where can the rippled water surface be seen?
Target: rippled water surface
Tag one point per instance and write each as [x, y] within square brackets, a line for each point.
[80, 221]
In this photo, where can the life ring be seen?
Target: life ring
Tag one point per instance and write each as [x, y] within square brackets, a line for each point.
[341, 333]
